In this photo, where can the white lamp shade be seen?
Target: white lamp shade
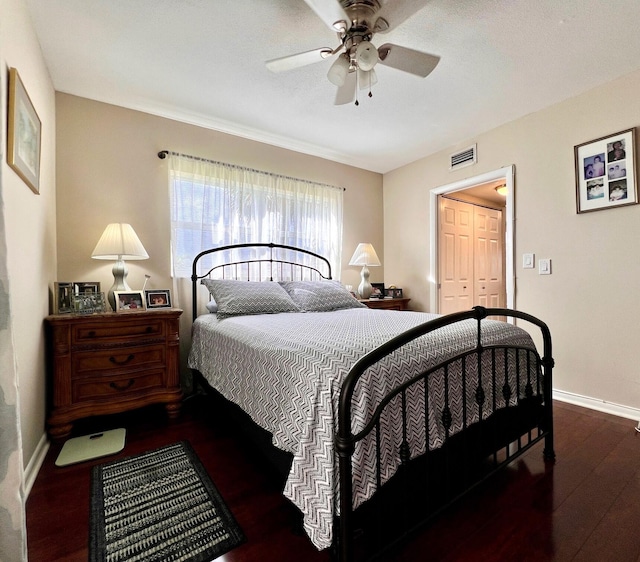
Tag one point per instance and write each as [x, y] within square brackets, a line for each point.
[338, 71]
[119, 241]
[366, 55]
[365, 254]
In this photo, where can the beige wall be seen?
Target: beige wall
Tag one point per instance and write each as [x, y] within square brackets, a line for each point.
[108, 171]
[592, 298]
[30, 221]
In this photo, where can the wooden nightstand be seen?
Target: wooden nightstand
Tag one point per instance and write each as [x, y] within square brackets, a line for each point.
[112, 362]
[387, 304]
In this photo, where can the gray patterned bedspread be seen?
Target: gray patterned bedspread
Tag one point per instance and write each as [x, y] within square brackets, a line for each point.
[285, 371]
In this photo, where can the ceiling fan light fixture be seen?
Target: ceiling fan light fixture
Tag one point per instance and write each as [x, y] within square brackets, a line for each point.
[340, 26]
[380, 25]
[366, 55]
[338, 72]
[366, 79]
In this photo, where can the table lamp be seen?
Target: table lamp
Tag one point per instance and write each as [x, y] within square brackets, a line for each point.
[119, 242]
[365, 255]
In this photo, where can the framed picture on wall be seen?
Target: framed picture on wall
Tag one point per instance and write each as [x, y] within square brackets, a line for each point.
[606, 172]
[24, 128]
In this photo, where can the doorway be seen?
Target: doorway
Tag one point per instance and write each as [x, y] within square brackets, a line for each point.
[455, 190]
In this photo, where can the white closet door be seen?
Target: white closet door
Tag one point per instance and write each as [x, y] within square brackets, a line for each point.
[489, 287]
[470, 256]
[455, 256]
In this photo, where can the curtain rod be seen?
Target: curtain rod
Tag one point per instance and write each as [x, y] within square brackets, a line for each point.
[164, 153]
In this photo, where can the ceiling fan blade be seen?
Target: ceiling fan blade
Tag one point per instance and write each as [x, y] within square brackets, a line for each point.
[331, 13]
[408, 60]
[393, 13]
[296, 61]
[347, 92]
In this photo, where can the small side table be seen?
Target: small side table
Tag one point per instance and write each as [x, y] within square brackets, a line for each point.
[387, 304]
[109, 363]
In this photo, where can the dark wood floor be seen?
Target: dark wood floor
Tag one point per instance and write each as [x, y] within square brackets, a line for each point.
[586, 507]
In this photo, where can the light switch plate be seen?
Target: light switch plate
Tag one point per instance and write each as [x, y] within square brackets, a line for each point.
[528, 261]
[544, 267]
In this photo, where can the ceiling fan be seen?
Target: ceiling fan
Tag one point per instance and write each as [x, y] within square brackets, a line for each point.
[356, 22]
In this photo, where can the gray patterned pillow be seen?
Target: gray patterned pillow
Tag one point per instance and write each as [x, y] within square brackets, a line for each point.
[239, 298]
[320, 296]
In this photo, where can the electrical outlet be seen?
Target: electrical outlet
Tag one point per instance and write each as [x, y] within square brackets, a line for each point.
[544, 267]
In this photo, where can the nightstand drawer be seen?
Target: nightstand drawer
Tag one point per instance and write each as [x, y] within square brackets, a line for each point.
[116, 330]
[117, 360]
[93, 388]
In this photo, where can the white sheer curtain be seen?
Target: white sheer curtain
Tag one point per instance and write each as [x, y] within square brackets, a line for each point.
[215, 204]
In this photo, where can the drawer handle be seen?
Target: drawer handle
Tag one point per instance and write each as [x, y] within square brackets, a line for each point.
[123, 362]
[149, 329]
[92, 334]
[122, 386]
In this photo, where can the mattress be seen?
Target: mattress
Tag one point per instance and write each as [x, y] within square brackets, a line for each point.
[285, 370]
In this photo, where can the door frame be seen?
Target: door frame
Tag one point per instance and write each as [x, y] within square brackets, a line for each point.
[507, 175]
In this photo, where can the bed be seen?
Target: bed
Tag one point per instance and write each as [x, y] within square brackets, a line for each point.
[377, 419]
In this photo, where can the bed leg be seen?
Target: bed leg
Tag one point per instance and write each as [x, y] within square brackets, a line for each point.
[195, 382]
[195, 385]
[548, 453]
[548, 364]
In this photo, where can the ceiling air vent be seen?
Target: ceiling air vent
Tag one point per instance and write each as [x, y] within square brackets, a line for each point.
[466, 157]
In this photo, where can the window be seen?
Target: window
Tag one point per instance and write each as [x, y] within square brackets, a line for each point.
[216, 204]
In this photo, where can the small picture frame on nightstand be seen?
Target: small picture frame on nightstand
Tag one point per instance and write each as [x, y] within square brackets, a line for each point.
[394, 293]
[86, 287]
[129, 301]
[158, 298]
[89, 303]
[378, 291]
[62, 297]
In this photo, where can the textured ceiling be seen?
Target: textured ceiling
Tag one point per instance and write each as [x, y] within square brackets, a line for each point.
[202, 62]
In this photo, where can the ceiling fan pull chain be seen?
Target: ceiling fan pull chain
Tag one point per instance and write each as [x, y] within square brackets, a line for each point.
[357, 85]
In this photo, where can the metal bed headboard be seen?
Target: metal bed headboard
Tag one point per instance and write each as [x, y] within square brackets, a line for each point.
[274, 260]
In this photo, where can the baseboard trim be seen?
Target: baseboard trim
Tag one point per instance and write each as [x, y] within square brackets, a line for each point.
[597, 404]
[34, 464]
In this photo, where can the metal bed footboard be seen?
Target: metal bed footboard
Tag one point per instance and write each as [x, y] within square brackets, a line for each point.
[503, 453]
